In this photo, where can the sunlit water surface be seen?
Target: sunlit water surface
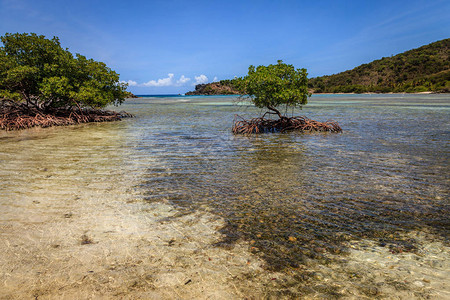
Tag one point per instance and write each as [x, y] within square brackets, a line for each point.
[298, 199]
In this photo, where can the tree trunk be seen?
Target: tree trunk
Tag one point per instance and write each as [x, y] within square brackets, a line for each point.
[276, 111]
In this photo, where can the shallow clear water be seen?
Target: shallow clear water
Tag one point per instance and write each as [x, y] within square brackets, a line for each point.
[386, 174]
[298, 199]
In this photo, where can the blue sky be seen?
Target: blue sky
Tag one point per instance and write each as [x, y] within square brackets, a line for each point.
[169, 46]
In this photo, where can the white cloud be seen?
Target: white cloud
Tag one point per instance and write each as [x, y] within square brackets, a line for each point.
[215, 79]
[161, 82]
[130, 82]
[201, 79]
[168, 81]
[182, 80]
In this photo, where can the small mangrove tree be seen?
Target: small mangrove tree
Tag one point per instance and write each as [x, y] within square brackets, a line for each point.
[272, 87]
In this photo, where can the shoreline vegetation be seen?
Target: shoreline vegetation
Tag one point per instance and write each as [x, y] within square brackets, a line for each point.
[43, 84]
[312, 93]
[208, 89]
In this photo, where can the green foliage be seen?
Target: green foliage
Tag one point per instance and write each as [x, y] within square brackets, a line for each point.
[274, 85]
[422, 69]
[40, 73]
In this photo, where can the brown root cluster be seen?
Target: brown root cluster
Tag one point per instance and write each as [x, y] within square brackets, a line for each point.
[283, 124]
[19, 117]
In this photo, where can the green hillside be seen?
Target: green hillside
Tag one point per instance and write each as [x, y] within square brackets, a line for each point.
[423, 69]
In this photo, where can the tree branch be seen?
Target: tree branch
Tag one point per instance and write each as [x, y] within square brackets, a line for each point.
[276, 111]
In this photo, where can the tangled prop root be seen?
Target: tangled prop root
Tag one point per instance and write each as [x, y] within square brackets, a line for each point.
[261, 125]
[15, 119]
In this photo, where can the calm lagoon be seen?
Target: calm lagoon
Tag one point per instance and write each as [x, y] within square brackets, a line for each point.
[172, 204]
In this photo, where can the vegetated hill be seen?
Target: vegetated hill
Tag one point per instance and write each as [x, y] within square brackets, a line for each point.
[223, 87]
[130, 95]
[419, 70]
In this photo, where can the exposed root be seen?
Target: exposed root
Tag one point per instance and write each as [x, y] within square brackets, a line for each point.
[17, 117]
[261, 125]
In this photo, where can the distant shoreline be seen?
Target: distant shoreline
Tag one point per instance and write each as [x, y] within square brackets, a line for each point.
[390, 93]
